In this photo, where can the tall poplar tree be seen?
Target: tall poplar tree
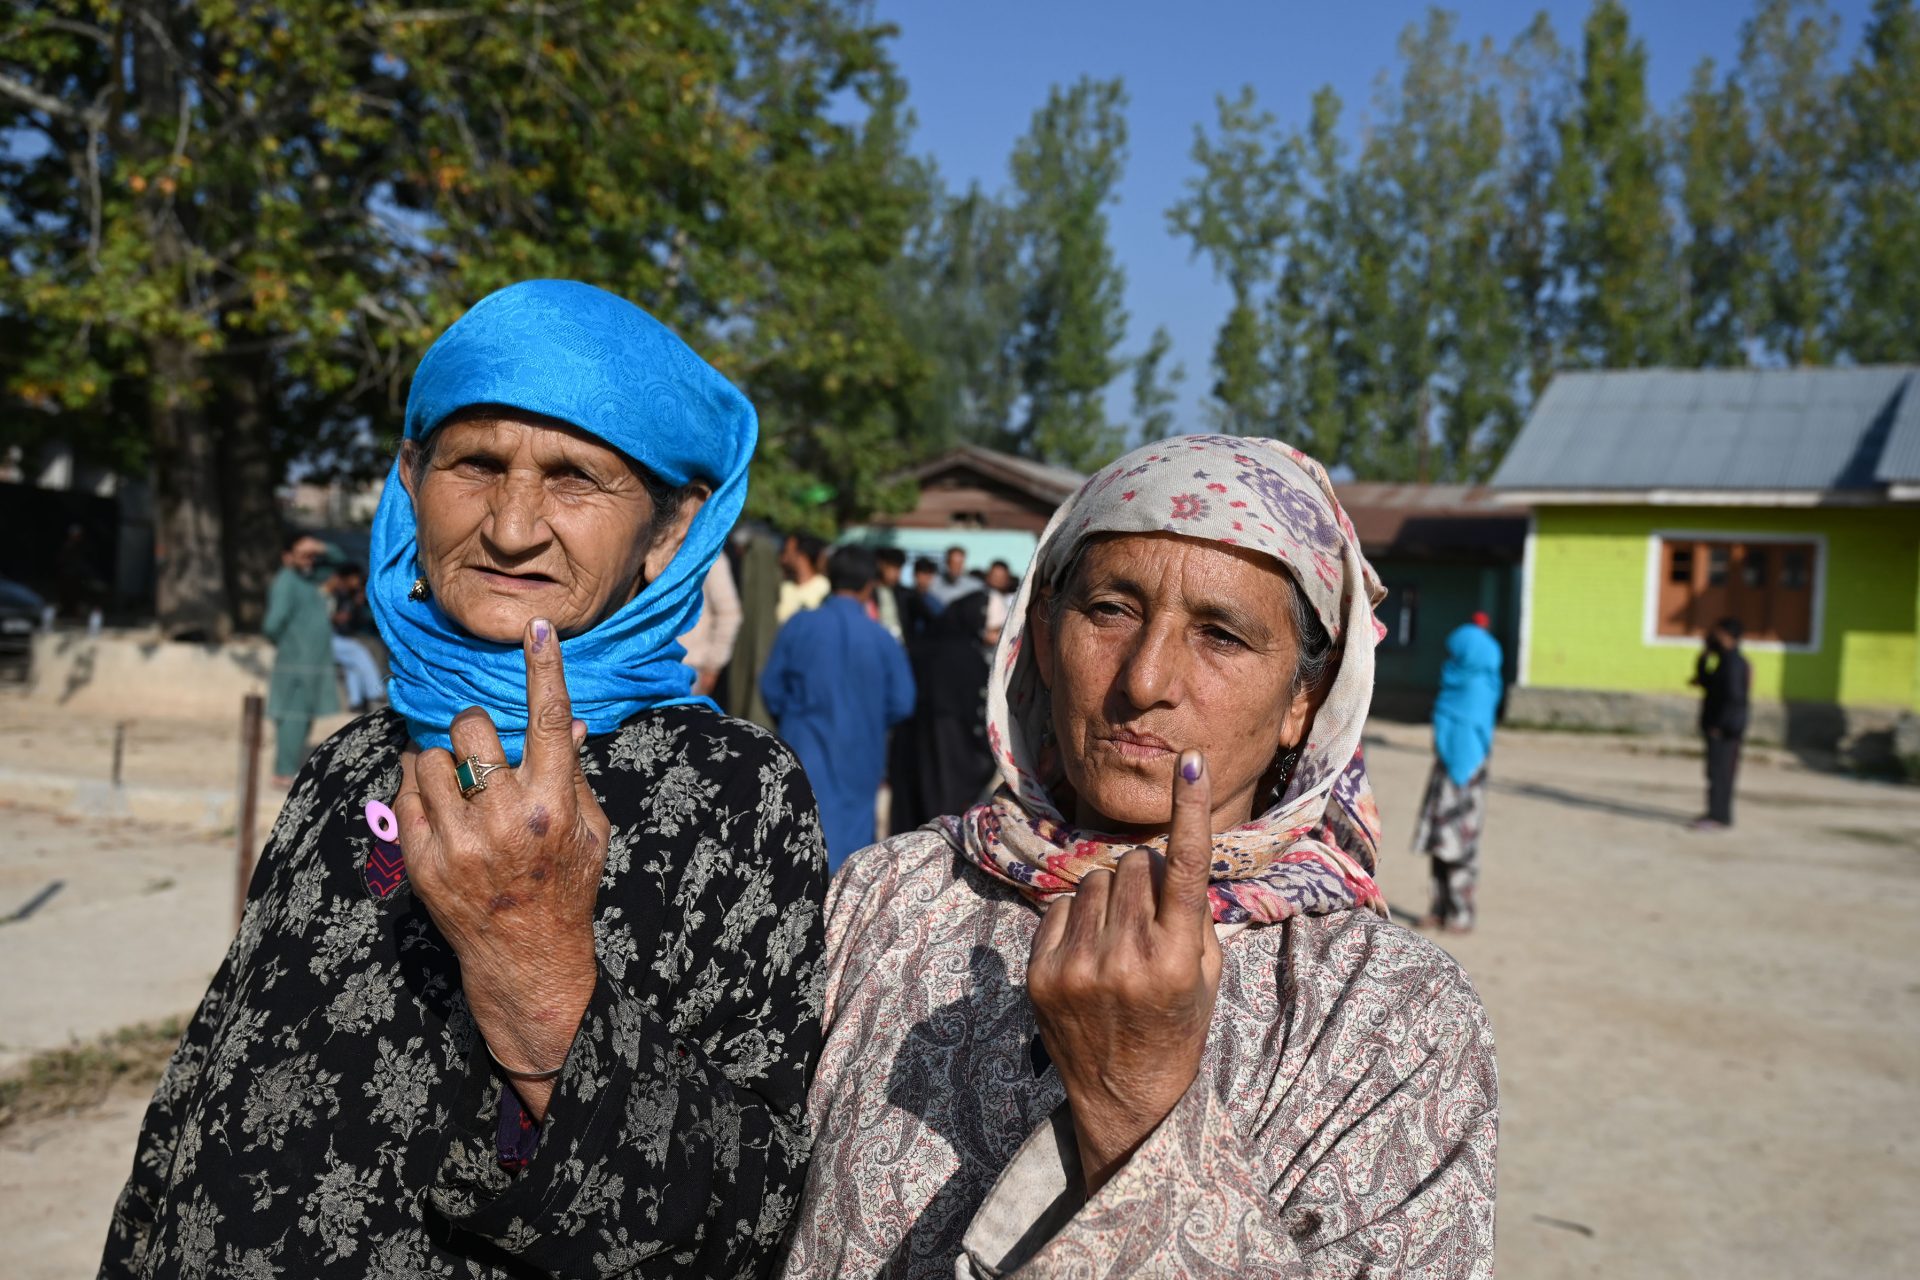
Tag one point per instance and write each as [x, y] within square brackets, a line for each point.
[1237, 211]
[1536, 79]
[1616, 248]
[1065, 172]
[1714, 149]
[1312, 307]
[1437, 336]
[1880, 312]
[1792, 203]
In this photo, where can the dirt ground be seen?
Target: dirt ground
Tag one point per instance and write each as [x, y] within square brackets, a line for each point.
[1709, 1045]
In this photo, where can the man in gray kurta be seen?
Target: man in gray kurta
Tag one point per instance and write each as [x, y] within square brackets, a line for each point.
[300, 624]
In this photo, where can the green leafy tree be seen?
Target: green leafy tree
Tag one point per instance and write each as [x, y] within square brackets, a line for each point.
[1792, 200]
[958, 288]
[190, 192]
[1715, 153]
[1065, 171]
[236, 227]
[1237, 210]
[1617, 244]
[1156, 388]
[1880, 319]
[1314, 298]
[1536, 79]
[1436, 335]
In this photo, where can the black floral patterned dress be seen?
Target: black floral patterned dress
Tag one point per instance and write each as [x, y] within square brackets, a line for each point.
[332, 1110]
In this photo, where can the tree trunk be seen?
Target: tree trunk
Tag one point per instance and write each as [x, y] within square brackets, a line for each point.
[250, 530]
[192, 596]
[192, 590]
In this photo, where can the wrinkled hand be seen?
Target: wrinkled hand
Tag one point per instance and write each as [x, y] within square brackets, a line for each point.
[1123, 979]
[511, 876]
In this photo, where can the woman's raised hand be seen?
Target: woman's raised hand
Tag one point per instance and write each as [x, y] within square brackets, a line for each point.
[1123, 978]
[511, 875]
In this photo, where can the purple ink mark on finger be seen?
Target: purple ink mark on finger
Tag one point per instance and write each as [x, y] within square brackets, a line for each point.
[1190, 766]
[380, 818]
[542, 631]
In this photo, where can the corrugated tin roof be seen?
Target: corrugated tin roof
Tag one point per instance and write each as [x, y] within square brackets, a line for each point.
[1775, 429]
[1900, 460]
[1434, 521]
[1042, 480]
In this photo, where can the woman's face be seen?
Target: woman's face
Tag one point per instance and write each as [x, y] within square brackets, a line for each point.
[522, 518]
[1163, 643]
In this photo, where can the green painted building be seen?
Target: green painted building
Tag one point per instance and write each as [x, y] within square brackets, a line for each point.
[1665, 500]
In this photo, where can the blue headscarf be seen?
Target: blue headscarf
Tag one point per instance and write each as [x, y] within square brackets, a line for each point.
[1463, 714]
[569, 351]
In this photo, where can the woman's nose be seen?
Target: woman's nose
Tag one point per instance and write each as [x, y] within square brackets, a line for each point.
[519, 511]
[1156, 669]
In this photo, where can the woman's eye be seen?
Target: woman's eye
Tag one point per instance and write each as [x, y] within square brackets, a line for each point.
[478, 464]
[1224, 639]
[1106, 609]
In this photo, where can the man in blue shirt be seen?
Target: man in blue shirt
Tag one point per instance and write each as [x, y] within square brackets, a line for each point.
[835, 683]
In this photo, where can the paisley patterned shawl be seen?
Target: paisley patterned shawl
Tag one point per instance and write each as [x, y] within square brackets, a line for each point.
[1313, 852]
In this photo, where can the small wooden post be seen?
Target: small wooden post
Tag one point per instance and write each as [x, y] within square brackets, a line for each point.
[119, 748]
[251, 715]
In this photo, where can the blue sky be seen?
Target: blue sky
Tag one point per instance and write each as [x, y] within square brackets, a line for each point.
[976, 69]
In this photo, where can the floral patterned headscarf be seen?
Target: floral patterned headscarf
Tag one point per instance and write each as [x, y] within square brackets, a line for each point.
[1312, 852]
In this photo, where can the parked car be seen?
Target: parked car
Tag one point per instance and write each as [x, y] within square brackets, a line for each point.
[20, 608]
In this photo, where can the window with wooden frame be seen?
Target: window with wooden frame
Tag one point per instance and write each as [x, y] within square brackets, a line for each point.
[1767, 585]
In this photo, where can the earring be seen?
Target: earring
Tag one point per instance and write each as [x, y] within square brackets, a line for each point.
[420, 590]
[1286, 760]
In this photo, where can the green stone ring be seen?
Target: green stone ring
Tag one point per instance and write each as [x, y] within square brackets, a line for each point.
[471, 774]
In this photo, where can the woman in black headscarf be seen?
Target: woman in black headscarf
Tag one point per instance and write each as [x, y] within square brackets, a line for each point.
[951, 763]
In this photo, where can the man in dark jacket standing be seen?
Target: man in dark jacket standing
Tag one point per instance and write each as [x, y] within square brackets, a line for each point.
[1725, 680]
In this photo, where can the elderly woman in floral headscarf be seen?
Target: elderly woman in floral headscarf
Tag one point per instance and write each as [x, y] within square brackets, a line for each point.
[1143, 1013]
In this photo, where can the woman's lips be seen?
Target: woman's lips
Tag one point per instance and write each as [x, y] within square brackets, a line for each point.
[1137, 746]
[512, 581]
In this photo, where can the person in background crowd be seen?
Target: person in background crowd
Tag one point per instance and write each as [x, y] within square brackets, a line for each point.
[759, 579]
[299, 621]
[1000, 578]
[925, 574]
[805, 586]
[77, 588]
[1143, 1014]
[836, 682]
[956, 581]
[1001, 584]
[1454, 812]
[527, 981]
[352, 620]
[1726, 683]
[709, 644]
[945, 764]
[903, 610]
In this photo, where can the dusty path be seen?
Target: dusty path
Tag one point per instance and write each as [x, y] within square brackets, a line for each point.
[1709, 1045]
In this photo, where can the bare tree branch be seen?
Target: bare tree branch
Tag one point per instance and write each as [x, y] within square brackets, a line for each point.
[25, 93]
[97, 34]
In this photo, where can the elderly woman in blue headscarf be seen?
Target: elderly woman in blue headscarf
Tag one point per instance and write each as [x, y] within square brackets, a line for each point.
[525, 983]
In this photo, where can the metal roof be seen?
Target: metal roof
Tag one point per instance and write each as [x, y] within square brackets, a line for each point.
[1433, 521]
[1041, 480]
[1726, 429]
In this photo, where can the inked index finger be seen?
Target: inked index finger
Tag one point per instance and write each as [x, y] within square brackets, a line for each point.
[1183, 891]
[550, 755]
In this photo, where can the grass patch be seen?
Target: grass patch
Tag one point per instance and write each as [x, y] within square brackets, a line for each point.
[85, 1075]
